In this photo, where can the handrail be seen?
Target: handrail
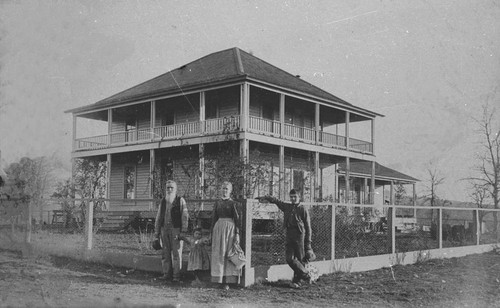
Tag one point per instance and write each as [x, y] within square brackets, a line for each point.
[220, 126]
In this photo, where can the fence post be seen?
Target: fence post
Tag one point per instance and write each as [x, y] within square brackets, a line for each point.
[28, 223]
[89, 224]
[334, 208]
[248, 276]
[478, 226]
[440, 227]
[391, 228]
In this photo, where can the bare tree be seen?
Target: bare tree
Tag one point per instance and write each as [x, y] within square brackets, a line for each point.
[488, 160]
[479, 195]
[434, 181]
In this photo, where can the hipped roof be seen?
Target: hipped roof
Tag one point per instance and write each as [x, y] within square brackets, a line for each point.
[224, 66]
[381, 172]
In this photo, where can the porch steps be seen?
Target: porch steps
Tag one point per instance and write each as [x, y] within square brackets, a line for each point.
[116, 220]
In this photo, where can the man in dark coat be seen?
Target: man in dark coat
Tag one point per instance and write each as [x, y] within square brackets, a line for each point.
[298, 236]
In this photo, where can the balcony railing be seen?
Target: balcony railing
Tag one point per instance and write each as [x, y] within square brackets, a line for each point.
[360, 145]
[260, 125]
[180, 130]
[221, 126]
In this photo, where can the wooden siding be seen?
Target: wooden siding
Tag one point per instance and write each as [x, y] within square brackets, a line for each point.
[117, 177]
[117, 181]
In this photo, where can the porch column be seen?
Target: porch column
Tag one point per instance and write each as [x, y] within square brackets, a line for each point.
[244, 106]
[74, 132]
[282, 172]
[244, 153]
[316, 122]
[202, 112]
[336, 197]
[373, 135]
[282, 115]
[316, 177]
[347, 196]
[108, 181]
[414, 200]
[372, 185]
[152, 121]
[110, 125]
[366, 192]
[201, 158]
[347, 119]
[152, 178]
[392, 220]
[392, 193]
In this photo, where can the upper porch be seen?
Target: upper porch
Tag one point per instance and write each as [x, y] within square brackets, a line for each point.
[252, 109]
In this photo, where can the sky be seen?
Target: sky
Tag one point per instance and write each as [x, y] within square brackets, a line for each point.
[427, 66]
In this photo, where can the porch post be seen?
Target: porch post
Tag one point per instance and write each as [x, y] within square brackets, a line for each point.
[153, 119]
[336, 185]
[282, 115]
[366, 192]
[392, 193]
[202, 112]
[74, 132]
[282, 172]
[392, 219]
[244, 106]
[372, 184]
[201, 158]
[414, 200]
[347, 119]
[316, 122]
[244, 154]
[373, 135]
[110, 125]
[316, 177]
[152, 178]
[347, 196]
[108, 181]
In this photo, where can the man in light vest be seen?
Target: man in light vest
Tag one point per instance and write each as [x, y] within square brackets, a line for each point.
[171, 220]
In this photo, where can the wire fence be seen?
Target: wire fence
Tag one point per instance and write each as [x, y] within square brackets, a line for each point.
[338, 230]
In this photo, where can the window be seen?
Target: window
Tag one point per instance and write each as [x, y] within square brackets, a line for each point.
[130, 179]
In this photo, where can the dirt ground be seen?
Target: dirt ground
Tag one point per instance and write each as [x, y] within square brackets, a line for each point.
[472, 281]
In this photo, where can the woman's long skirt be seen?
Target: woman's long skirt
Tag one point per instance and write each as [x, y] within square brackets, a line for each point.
[223, 270]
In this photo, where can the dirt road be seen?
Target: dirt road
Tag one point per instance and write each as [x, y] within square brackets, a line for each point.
[472, 281]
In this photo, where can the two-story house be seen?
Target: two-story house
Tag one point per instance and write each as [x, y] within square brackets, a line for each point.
[176, 124]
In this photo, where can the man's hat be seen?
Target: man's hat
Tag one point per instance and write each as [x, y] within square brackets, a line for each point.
[293, 192]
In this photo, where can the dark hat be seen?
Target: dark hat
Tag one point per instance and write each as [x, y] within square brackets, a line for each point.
[293, 192]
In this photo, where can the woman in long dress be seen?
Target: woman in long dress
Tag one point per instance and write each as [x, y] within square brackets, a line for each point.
[225, 232]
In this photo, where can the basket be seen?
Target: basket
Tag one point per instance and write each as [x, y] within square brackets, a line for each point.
[237, 256]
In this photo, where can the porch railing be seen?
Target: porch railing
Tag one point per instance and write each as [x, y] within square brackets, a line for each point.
[329, 139]
[88, 143]
[300, 133]
[360, 145]
[177, 130]
[266, 126]
[221, 126]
